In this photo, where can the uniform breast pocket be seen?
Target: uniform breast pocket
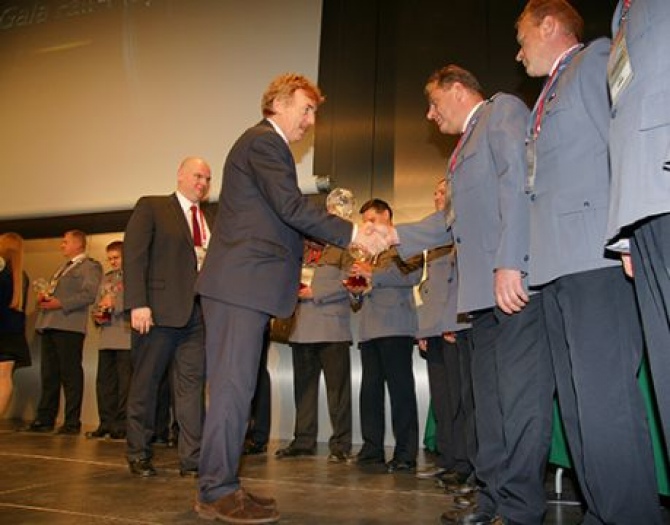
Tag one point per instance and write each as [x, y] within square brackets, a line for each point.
[655, 110]
[466, 176]
[582, 228]
[557, 126]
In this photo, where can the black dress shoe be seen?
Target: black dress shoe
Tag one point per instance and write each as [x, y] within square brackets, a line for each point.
[337, 456]
[68, 430]
[459, 517]
[117, 434]
[39, 426]
[451, 477]
[400, 466]
[294, 452]
[464, 502]
[141, 467]
[159, 440]
[97, 433]
[365, 461]
[251, 448]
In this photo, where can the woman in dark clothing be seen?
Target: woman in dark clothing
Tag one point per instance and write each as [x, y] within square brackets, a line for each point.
[14, 352]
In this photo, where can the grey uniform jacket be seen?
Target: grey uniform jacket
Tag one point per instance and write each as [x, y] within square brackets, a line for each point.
[116, 334]
[389, 308]
[491, 227]
[438, 292]
[76, 289]
[327, 316]
[569, 200]
[255, 253]
[640, 120]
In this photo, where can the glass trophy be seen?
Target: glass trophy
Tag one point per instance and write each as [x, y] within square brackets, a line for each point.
[341, 202]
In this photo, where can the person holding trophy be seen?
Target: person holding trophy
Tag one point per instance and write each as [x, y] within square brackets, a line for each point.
[63, 306]
[320, 342]
[114, 368]
[387, 327]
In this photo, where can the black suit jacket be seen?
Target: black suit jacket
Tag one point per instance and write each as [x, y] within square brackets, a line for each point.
[255, 253]
[159, 263]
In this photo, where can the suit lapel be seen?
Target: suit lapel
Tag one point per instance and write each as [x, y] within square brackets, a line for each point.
[178, 214]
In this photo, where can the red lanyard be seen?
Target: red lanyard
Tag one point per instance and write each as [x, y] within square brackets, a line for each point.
[464, 138]
[539, 107]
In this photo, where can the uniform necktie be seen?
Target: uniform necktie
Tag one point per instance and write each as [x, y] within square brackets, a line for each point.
[197, 235]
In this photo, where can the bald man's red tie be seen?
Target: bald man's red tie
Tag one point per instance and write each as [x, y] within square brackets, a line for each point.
[197, 235]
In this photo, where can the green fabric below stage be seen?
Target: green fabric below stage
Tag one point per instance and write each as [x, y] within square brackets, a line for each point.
[559, 452]
[559, 455]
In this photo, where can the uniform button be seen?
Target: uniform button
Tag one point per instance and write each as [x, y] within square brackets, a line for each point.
[587, 204]
[458, 240]
[525, 259]
[450, 279]
[532, 197]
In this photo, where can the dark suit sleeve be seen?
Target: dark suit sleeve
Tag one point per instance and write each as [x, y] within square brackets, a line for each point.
[136, 252]
[272, 162]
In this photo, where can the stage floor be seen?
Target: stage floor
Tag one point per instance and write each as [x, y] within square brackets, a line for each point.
[49, 479]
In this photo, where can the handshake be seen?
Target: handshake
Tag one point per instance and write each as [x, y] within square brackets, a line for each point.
[372, 239]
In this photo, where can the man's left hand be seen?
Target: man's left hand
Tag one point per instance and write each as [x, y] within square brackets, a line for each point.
[509, 292]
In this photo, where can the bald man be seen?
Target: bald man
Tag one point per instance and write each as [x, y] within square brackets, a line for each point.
[165, 242]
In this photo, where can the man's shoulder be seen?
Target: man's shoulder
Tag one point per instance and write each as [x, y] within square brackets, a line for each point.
[595, 53]
[502, 101]
[92, 263]
[151, 200]
[260, 135]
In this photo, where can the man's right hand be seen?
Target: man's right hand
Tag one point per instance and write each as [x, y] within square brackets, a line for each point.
[375, 238]
[141, 320]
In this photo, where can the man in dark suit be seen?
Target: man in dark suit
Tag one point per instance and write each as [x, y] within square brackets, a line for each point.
[251, 273]
[588, 304]
[61, 323]
[165, 242]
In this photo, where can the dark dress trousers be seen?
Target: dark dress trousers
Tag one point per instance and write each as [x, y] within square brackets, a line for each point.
[159, 266]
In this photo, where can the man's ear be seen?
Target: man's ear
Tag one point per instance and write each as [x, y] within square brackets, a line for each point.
[278, 105]
[459, 90]
[548, 26]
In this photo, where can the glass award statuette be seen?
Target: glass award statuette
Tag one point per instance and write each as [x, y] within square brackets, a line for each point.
[341, 202]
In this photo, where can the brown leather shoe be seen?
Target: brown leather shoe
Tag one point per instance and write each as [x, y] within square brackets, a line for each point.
[266, 503]
[236, 508]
